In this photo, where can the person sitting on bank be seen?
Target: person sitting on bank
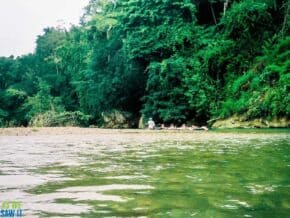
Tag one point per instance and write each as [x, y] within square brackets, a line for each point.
[194, 127]
[151, 124]
[163, 126]
[183, 127]
[172, 126]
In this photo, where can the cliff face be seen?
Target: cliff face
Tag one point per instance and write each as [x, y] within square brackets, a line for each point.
[241, 122]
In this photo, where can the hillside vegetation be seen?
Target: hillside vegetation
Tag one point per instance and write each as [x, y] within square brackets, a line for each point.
[178, 61]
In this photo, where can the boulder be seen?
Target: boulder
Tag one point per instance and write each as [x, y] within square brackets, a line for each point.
[141, 123]
[241, 122]
[117, 119]
[60, 119]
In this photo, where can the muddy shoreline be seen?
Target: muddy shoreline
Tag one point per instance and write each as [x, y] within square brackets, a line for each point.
[31, 131]
[58, 131]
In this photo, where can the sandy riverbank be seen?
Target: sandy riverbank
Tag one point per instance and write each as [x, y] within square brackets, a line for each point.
[78, 131]
[55, 131]
[58, 131]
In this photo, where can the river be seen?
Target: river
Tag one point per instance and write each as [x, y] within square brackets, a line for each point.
[148, 174]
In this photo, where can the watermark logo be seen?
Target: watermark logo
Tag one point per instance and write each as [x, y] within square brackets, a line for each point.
[11, 209]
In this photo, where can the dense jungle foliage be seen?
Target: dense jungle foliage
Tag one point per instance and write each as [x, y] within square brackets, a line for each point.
[177, 61]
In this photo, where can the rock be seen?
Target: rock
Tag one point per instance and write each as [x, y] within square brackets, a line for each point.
[141, 123]
[117, 119]
[241, 122]
[54, 119]
[280, 123]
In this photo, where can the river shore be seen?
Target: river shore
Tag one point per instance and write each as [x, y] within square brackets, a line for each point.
[42, 131]
[58, 131]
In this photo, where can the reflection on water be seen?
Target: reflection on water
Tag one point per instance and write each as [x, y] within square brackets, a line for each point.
[148, 174]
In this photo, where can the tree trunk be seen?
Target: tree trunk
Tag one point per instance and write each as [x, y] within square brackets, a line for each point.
[285, 22]
[275, 5]
[226, 4]
[213, 14]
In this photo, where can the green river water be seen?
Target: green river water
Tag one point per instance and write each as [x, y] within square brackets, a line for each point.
[148, 174]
